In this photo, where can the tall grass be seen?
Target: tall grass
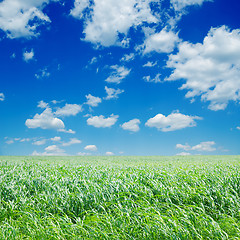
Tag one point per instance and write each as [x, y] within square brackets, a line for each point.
[120, 198]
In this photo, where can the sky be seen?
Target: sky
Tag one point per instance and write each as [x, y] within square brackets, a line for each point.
[129, 77]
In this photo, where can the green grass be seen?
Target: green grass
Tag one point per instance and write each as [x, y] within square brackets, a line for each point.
[120, 197]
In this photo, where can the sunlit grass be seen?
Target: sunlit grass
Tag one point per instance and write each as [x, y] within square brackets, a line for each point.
[120, 197]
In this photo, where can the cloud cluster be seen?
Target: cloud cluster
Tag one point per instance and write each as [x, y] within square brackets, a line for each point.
[93, 101]
[201, 147]
[112, 93]
[108, 21]
[20, 18]
[211, 69]
[172, 122]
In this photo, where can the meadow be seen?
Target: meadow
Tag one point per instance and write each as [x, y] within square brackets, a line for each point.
[192, 197]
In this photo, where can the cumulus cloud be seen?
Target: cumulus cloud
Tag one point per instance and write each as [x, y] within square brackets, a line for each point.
[162, 42]
[52, 150]
[132, 125]
[20, 18]
[101, 121]
[118, 74]
[108, 21]
[201, 147]
[66, 131]
[205, 147]
[69, 110]
[92, 148]
[112, 93]
[45, 120]
[71, 142]
[27, 56]
[172, 122]
[55, 139]
[211, 69]
[93, 101]
[2, 97]
[42, 104]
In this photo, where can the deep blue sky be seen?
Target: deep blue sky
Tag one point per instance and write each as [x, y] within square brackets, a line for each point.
[125, 78]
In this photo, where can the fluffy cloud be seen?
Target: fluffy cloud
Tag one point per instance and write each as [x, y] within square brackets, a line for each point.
[205, 147]
[56, 139]
[71, 142]
[19, 18]
[45, 120]
[93, 101]
[162, 42]
[172, 122]
[211, 69]
[185, 147]
[127, 57]
[2, 97]
[118, 74]
[178, 5]
[238, 128]
[52, 150]
[69, 110]
[112, 93]
[101, 121]
[92, 148]
[42, 104]
[108, 19]
[27, 56]
[202, 147]
[132, 125]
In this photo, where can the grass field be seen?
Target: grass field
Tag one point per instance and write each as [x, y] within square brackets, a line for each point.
[120, 197]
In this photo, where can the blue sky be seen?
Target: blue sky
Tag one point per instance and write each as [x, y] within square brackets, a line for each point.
[106, 77]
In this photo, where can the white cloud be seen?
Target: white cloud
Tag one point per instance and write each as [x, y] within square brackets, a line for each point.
[71, 142]
[172, 122]
[21, 18]
[42, 73]
[2, 97]
[108, 19]
[66, 131]
[118, 74]
[45, 120]
[92, 148]
[83, 154]
[42, 104]
[27, 56]
[55, 139]
[205, 146]
[93, 101]
[52, 150]
[40, 142]
[162, 42]
[211, 69]
[150, 64]
[183, 154]
[178, 5]
[185, 147]
[109, 153]
[112, 93]
[202, 147]
[69, 110]
[156, 79]
[9, 142]
[101, 121]
[127, 57]
[132, 125]
[238, 128]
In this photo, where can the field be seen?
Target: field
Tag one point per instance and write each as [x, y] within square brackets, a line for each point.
[193, 197]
